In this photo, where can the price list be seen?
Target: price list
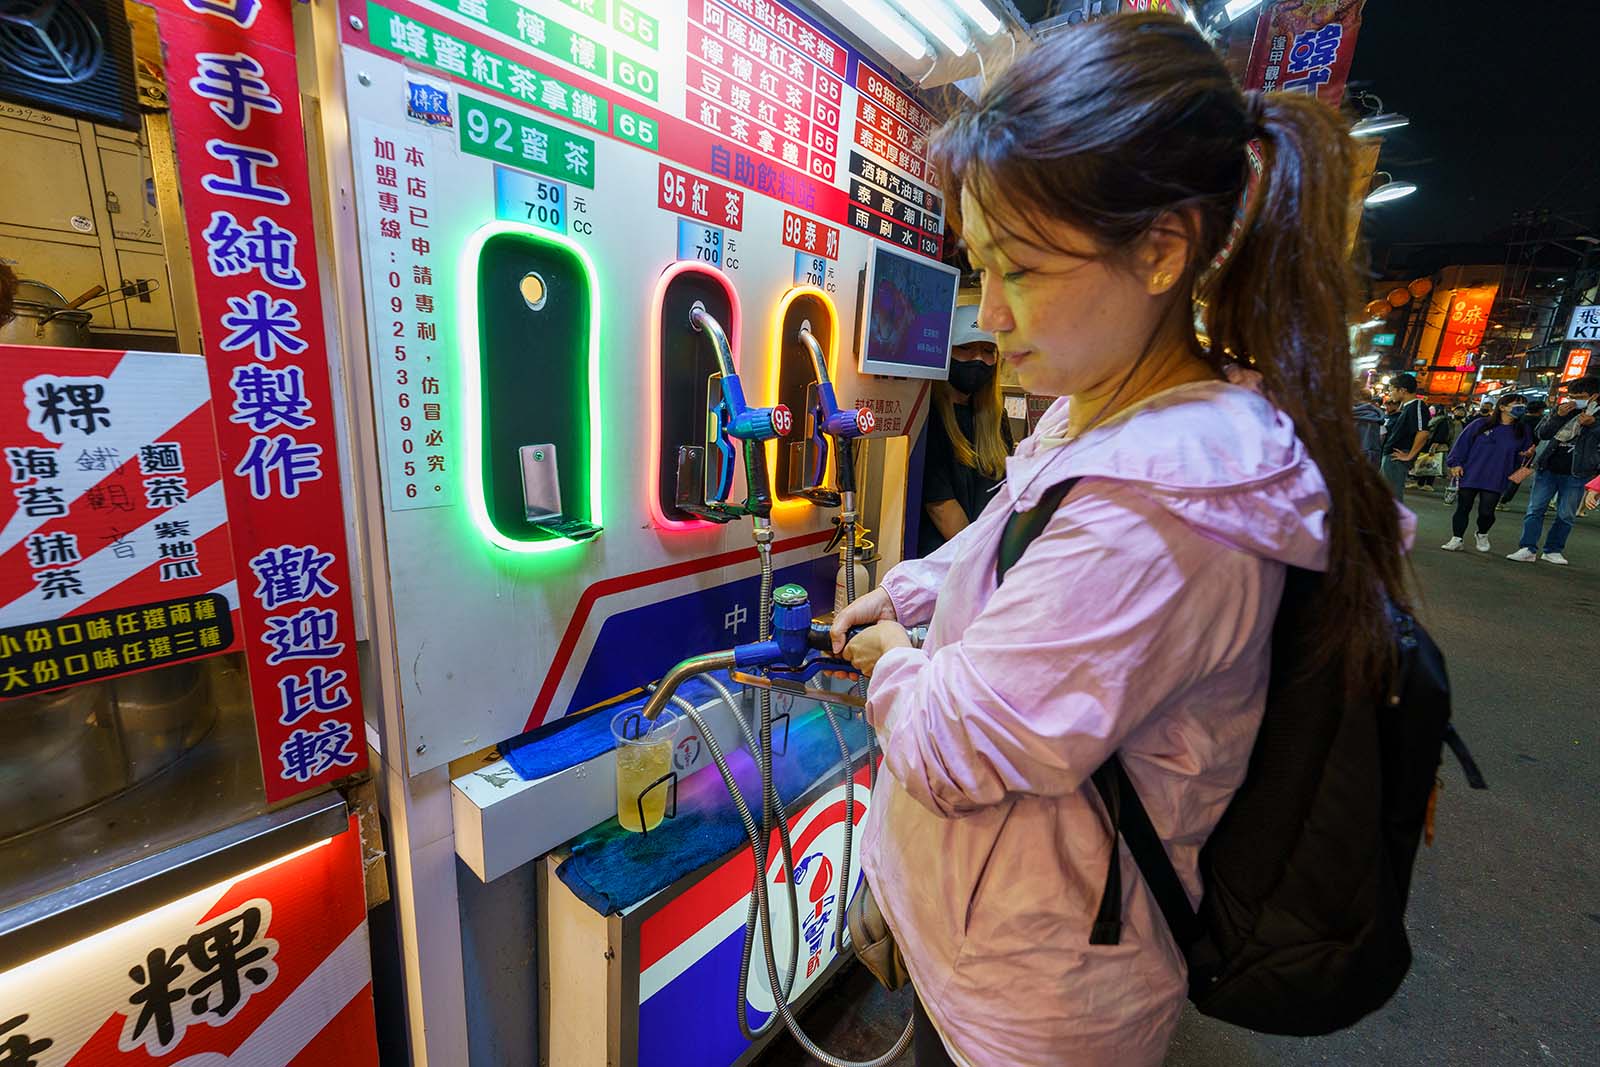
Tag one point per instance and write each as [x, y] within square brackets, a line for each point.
[893, 208]
[816, 245]
[892, 126]
[409, 361]
[761, 77]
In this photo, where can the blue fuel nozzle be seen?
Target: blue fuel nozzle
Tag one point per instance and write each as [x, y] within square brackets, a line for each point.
[736, 417]
[828, 419]
[791, 632]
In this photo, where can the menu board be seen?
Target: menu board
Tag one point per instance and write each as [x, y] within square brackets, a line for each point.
[762, 78]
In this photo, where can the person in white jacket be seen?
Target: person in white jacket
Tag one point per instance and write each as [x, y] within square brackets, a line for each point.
[1104, 187]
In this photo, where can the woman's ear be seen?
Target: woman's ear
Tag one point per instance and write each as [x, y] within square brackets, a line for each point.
[1165, 250]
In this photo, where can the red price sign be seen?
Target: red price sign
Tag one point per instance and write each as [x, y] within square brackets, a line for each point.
[699, 198]
[809, 236]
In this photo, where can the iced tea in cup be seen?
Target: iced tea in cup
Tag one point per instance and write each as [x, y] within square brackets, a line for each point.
[644, 759]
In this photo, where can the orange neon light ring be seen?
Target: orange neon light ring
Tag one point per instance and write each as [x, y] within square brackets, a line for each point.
[774, 365]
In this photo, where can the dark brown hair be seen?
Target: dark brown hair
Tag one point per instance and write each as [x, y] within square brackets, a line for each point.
[1112, 125]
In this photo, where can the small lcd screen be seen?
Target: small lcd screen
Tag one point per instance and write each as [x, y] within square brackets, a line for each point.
[909, 304]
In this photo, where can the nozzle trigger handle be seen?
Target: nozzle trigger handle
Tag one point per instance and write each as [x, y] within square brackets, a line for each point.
[758, 493]
[820, 636]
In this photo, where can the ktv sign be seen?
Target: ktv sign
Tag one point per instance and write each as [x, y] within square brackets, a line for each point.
[1585, 325]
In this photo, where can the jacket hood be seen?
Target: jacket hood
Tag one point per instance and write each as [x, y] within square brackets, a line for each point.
[1218, 456]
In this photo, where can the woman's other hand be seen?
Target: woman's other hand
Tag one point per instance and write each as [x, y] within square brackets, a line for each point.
[1591, 500]
[1456, 472]
[862, 611]
[867, 648]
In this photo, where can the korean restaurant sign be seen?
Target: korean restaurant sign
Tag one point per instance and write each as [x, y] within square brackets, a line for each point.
[271, 966]
[234, 93]
[1465, 323]
[1585, 324]
[1305, 46]
[114, 553]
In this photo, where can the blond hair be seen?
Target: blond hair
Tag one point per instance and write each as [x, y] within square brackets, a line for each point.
[988, 453]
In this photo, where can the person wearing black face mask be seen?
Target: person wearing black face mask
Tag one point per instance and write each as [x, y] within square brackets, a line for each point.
[968, 437]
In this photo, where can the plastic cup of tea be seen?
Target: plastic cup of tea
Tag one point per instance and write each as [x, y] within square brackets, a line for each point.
[644, 758]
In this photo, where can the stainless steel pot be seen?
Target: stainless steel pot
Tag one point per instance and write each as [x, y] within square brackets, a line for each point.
[44, 317]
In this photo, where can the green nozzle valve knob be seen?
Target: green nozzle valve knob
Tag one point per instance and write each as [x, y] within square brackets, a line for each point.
[790, 596]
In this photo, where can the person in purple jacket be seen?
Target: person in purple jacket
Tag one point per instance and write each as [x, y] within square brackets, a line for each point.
[1485, 455]
[1103, 188]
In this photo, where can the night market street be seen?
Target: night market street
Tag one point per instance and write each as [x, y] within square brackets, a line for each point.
[1505, 908]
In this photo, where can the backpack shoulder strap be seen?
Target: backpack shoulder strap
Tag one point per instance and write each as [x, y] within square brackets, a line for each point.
[1024, 527]
[1129, 821]
[1132, 822]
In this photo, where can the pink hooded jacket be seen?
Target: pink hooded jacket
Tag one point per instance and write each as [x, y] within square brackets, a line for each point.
[1138, 622]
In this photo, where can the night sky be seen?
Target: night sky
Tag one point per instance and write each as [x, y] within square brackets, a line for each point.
[1504, 100]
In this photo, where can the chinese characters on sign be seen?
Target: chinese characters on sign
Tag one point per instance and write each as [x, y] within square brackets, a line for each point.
[415, 42]
[1303, 46]
[1585, 323]
[206, 979]
[890, 125]
[764, 79]
[816, 246]
[234, 92]
[103, 644]
[890, 414]
[1464, 326]
[267, 966]
[699, 198]
[1577, 364]
[892, 208]
[407, 286]
[809, 236]
[507, 137]
[114, 503]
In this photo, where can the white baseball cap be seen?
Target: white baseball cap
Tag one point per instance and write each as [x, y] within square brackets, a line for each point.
[964, 330]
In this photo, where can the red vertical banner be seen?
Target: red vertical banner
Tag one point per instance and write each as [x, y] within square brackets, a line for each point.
[1464, 326]
[1305, 46]
[234, 93]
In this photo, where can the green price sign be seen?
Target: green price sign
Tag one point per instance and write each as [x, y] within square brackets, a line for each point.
[507, 137]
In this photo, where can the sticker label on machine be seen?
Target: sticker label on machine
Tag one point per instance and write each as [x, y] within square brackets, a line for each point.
[520, 197]
[689, 950]
[406, 275]
[114, 513]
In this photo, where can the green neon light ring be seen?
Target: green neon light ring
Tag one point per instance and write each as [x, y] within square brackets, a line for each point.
[472, 385]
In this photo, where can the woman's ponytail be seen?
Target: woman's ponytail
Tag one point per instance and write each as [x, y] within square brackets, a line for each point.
[1281, 304]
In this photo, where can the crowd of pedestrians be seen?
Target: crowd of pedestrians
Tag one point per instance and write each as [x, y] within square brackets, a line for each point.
[1487, 456]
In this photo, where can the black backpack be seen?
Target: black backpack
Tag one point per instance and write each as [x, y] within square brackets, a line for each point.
[1301, 929]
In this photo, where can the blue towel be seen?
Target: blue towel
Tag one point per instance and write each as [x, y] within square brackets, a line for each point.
[579, 739]
[611, 869]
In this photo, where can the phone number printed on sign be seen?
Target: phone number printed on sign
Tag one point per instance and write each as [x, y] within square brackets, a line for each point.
[412, 370]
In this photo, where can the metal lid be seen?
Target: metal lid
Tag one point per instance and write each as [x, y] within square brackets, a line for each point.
[790, 596]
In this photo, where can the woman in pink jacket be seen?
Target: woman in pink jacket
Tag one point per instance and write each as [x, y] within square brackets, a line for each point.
[1102, 188]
